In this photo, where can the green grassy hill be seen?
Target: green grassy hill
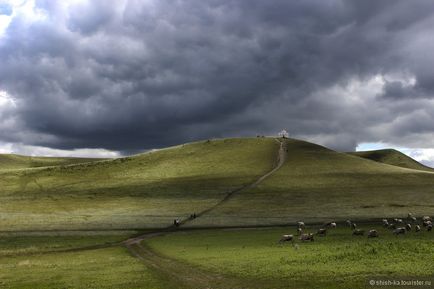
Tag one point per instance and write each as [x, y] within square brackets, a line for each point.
[317, 184]
[151, 189]
[147, 190]
[392, 157]
[13, 161]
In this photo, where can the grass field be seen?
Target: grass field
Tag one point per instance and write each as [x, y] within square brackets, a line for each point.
[38, 261]
[26, 243]
[338, 260]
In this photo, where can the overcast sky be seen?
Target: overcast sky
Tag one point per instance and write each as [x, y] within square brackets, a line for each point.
[106, 78]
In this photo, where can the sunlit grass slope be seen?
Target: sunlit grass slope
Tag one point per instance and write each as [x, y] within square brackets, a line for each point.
[392, 157]
[12, 161]
[317, 184]
[338, 260]
[31, 262]
[146, 190]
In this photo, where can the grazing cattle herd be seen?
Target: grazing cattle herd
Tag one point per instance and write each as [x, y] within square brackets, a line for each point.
[397, 226]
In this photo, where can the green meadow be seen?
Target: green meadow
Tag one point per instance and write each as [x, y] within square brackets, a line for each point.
[338, 260]
[47, 261]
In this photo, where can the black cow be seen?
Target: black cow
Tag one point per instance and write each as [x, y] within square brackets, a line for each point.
[321, 232]
[358, 232]
[399, 231]
[372, 234]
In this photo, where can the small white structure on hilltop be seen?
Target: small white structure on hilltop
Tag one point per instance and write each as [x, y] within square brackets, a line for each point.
[283, 134]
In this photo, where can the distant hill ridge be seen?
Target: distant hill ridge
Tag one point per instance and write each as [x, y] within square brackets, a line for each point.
[392, 157]
[14, 161]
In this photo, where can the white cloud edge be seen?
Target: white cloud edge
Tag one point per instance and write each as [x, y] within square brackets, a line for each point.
[27, 150]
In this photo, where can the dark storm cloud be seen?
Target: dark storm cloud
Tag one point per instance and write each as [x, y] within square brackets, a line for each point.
[143, 74]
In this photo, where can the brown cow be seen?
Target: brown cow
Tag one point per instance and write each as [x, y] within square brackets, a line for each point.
[307, 237]
[426, 218]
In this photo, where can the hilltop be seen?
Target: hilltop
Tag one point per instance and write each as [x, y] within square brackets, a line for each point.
[392, 157]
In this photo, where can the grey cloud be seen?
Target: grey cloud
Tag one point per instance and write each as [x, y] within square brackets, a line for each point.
[144, 74]
[87, 18]
[396, 89]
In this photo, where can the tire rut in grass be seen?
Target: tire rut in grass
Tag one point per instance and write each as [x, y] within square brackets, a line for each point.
[184, 274]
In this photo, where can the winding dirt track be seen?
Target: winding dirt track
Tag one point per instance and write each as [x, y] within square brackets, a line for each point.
[281, 157]
[182, 273]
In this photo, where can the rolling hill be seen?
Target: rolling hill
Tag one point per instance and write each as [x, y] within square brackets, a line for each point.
[146, 190]
[13, 161]
[317, 184]
[392, 157]
[151, 189]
